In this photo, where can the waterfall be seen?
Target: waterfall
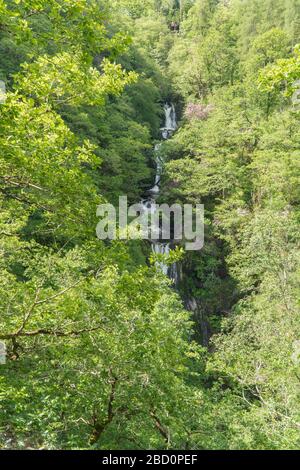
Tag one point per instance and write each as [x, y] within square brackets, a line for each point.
[162, 249]
[170, 113]
[159, 167]
[149, 203]
[174, 272]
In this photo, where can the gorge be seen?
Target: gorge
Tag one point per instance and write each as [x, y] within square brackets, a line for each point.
[140, 343]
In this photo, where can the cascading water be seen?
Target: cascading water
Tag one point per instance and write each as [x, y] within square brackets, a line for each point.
[149, 204]
[171, 123]
[175, 271]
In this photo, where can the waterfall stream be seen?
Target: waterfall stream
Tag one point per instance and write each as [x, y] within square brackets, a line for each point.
[175, 271]
[149, 204]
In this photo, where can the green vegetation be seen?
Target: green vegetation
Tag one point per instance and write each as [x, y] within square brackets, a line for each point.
[101, 353]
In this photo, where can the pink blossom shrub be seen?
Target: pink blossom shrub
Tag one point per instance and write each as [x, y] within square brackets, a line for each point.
[198, 111]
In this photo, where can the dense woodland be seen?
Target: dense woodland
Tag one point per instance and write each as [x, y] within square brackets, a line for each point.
[103, 351]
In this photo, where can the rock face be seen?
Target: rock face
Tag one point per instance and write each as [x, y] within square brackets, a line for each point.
[2, 353]
[194, 306]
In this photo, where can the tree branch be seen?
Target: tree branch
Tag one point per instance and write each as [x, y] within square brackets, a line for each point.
[164, 432]
[99, 427]
[43, 331]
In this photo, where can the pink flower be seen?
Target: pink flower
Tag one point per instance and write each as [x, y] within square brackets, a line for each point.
[198, 111]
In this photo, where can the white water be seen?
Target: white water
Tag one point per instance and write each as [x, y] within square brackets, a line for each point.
[149, 204]
[171, 124]
[161, 249]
